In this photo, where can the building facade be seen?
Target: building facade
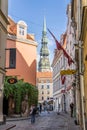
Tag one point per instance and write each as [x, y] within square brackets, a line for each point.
[64, 94]
[70, 49]
[78, 16]
[59, 87]
[45, 86]
[84, 55]
[21, 52]
[3, 37]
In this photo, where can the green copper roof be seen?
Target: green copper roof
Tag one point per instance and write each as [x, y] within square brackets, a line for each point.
[44, 51]
[44, 63]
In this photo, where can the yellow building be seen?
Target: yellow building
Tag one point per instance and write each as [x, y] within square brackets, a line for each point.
[77, 19]
[79, 16]
[3, 37]
[84, 40]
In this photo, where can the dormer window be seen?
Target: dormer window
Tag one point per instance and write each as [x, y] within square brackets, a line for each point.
[21, 30]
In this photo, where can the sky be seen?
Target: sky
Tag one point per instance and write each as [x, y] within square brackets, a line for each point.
[33, 12]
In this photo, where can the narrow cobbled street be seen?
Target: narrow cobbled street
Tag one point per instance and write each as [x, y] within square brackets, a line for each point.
[46, 121]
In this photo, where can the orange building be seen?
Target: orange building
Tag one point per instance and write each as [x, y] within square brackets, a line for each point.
[21, 52]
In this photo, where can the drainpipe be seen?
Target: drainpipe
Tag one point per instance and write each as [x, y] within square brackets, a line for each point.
[81, 87]
[80, 64]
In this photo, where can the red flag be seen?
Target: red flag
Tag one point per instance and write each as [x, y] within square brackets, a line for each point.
[70, 61]
[59, 47]
[63, 78]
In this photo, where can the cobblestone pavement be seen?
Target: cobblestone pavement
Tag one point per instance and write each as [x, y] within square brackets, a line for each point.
[46, 121]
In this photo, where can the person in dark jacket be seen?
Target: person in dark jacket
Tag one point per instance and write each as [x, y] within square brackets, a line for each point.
[40, 108]
[71, 108]
[33, 113]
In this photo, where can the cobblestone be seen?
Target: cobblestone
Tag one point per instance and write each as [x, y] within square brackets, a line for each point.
[46, 121]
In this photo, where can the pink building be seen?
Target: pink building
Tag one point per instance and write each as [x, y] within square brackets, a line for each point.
[21, 52]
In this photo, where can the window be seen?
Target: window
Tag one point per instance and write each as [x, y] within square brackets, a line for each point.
[61, 62]
[48, 86]
[42, 81]
[12, 58]
[21, 30]
[48, 92]
[48, 81]
[42, 92]
[47, 98]
[42, 86]
[42, 98]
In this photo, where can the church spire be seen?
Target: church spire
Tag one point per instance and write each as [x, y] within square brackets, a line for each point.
[44, 25]
[44, 64]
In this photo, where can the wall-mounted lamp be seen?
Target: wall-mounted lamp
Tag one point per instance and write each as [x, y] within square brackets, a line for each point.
[78, 46]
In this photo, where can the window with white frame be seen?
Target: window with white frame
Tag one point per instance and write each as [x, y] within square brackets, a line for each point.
[42, 86]
[48, 86]
[21, 30]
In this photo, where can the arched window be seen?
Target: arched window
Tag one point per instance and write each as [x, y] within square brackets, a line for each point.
[21, 29]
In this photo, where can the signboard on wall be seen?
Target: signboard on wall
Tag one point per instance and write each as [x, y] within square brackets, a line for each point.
[67, 72]
[12, 80]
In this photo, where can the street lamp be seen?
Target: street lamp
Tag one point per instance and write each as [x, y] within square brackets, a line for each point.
[78, 46]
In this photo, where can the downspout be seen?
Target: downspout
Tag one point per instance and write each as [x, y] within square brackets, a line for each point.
[80, 66]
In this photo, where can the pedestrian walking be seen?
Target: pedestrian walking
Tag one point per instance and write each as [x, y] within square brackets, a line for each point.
[33, 113]
[40, 108]
[48, 109]
[71, 108]
[44, 107]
